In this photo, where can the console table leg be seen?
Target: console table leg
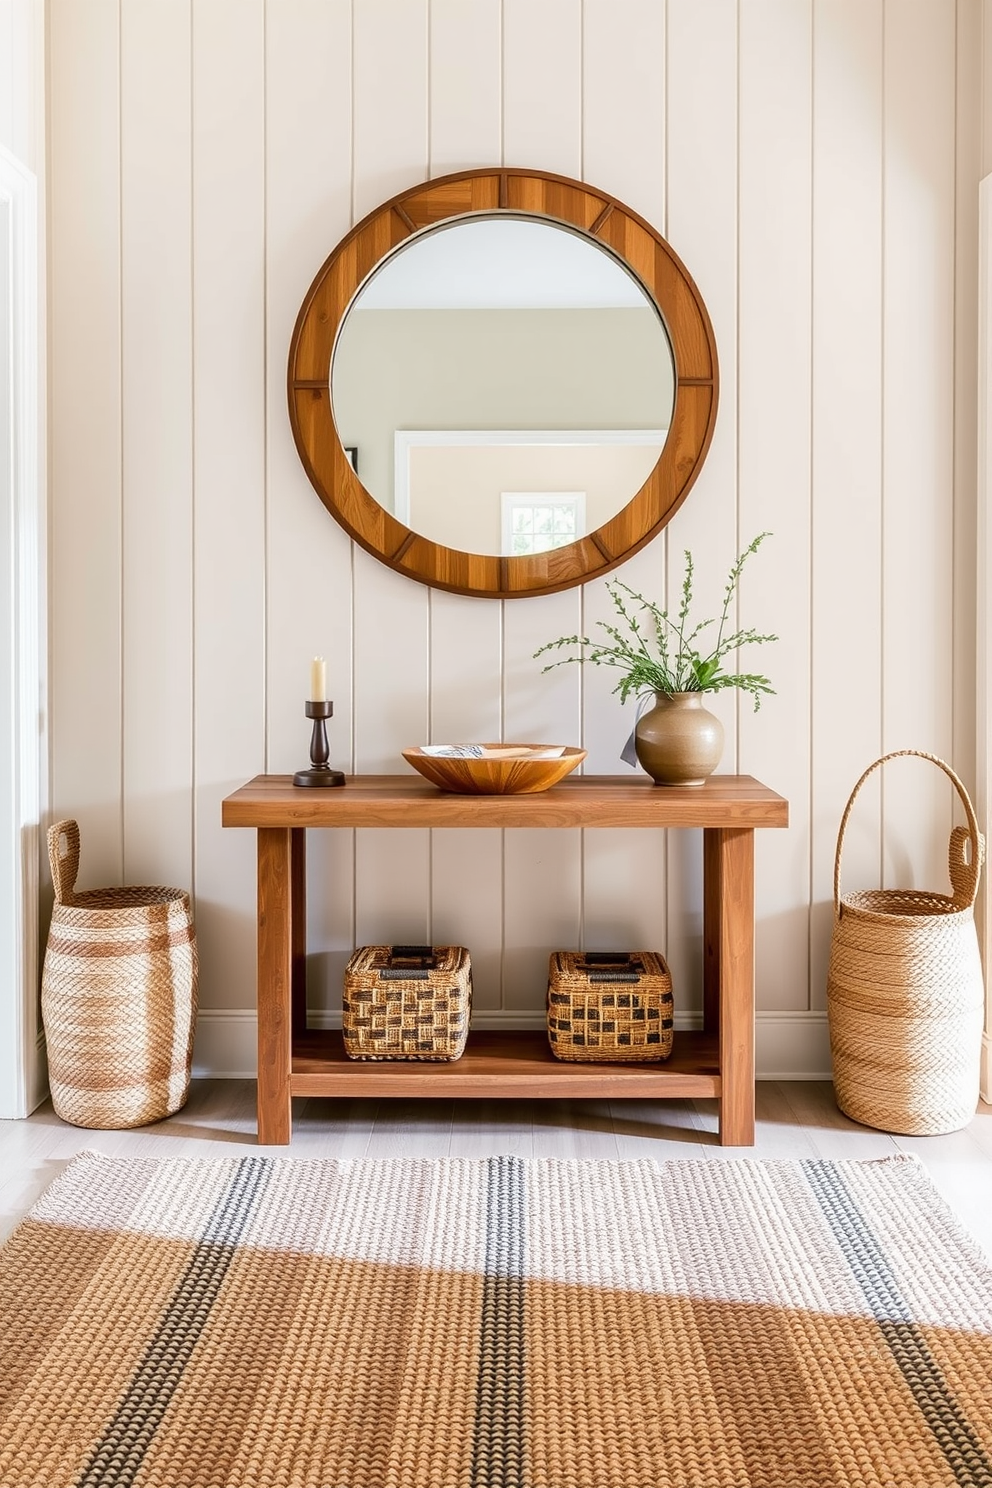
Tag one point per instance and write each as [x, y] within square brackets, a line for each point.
[734, 850]
[275, 983]
[712, 900]
[298, 912]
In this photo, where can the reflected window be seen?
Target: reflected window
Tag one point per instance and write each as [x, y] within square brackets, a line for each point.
[537, 521]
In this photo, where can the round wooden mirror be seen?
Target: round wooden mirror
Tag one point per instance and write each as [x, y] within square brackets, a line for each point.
[607, 306]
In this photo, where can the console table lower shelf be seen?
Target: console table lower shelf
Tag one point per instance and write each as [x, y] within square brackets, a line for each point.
[504, 1064]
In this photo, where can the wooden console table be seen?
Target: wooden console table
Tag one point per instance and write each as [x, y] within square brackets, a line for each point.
[718, 1061]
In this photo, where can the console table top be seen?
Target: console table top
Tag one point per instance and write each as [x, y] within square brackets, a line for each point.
[580, 801]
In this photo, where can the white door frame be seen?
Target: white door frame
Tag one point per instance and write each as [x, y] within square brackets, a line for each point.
[22, 591]
[405, 440]
[983, 680]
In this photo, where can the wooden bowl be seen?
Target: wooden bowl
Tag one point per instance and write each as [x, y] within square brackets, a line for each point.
[495, 777]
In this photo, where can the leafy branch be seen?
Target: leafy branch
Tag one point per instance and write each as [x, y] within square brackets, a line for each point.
[657, 653]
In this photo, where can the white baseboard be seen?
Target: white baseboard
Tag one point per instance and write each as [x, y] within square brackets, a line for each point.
[986, 1076]
[792, 1046]
[788, 1046]
[226, 1046]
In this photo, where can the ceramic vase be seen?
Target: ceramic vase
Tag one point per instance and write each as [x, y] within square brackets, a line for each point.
[678, 741]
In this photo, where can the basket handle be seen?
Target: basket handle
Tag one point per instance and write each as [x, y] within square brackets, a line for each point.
[64, 865]
[424, 955]
[609, 966]
[963, 875]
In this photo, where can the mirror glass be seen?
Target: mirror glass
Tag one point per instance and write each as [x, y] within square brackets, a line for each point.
[503, 385]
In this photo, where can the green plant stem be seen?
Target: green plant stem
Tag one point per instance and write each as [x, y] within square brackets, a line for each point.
[688, 670]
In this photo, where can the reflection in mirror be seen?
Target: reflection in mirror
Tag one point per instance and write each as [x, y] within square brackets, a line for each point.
[506, 382]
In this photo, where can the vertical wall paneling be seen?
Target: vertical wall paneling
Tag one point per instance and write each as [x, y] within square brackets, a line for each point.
[918, 426]
[542, 892]
[308, 572]
[542, 124]
[542, 869]
[606, 722]
[970, 718]
[392, 884]
[466, 634]
[467, 903]
[228, 475]
[623, 873]
[847, 452]
[702, 228]
[85, 423]
[307, 187]
[466, 704]
[968, 145]
[624, 882]
[542, 96]
[465, 115]
[157, 401]
[968, 721]
[624, 56]
[392, 672]
[390, 105]
[465, 701]
[545, 707]
[774, 391]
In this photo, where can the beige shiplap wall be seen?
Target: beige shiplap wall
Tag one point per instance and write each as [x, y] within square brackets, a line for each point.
[814, 162]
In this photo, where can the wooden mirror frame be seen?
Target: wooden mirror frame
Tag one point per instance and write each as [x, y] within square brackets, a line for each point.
[523, 193]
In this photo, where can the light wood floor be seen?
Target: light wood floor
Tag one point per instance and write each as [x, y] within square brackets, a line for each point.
[796, 1119]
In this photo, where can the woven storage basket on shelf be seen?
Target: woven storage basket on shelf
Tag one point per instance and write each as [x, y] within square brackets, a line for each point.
[905, 995]
[407, 1002]
[118, 996]
[609, 1006]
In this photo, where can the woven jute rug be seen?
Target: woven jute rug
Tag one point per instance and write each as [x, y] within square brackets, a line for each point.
[284, 1323]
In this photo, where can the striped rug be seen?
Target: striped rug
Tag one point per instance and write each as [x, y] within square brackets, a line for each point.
[282, 1323]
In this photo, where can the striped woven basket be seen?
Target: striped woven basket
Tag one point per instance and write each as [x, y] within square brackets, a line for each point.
[118, 996]
[905, 993]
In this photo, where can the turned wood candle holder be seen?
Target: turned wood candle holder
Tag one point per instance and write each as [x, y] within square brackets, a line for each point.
[320, 772]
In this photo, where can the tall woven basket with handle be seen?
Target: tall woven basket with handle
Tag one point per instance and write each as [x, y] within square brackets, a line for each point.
[905, 994]
[118, 996]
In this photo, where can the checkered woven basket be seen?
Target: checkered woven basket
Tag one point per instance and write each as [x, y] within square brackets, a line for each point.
[407, 1002]
[610, 1006]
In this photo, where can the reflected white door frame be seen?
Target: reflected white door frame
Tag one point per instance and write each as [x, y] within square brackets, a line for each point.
[405, 440]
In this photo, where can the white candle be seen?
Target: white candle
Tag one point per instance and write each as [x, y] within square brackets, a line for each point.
[318, 680]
